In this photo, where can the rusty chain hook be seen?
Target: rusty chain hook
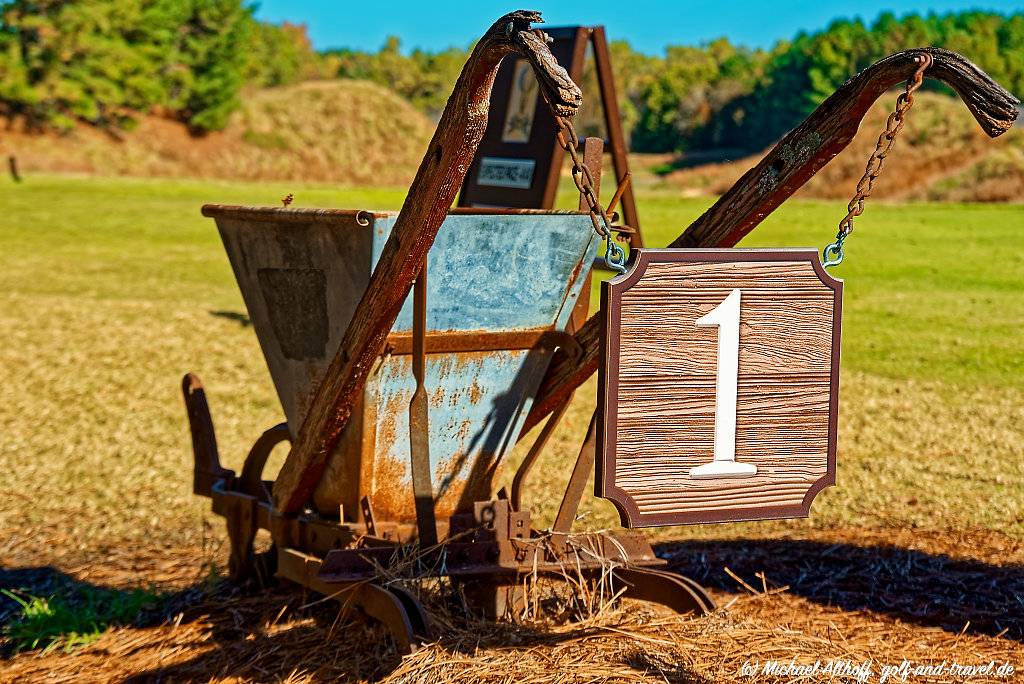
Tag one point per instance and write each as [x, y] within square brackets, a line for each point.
[832, 255]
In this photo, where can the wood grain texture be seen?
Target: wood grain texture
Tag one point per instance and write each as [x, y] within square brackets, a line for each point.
[437, 181]
[657, 385]
[786, 168]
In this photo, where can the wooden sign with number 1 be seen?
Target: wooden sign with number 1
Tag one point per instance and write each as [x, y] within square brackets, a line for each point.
[719, 385]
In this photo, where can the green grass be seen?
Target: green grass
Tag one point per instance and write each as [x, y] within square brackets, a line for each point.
[932, 291]
[134, 239]
[71, 620]
[109, 290]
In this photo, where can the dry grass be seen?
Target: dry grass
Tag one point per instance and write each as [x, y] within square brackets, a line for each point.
[277, 636]
[942, 155]
[357, 132]
[919, 553]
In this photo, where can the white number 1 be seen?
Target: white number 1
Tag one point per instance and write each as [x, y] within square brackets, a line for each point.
[726, 316]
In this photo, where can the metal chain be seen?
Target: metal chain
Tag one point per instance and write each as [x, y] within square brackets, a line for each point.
[614, 255]
[832, 255]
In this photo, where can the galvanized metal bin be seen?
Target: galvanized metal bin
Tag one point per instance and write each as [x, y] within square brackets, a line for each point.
[499, 284]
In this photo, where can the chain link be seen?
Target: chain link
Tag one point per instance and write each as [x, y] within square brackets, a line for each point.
[832, 255]
[614, 255]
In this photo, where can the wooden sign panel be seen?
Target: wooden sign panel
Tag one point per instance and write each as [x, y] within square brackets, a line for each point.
[719, 385]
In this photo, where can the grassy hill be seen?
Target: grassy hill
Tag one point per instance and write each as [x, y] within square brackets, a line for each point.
[360, 133]
[941, 154]
[351, 132]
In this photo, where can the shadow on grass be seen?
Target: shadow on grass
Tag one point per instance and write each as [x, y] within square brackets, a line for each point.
[237, 316]
[931, 590]
[42, 608]
[273, 633]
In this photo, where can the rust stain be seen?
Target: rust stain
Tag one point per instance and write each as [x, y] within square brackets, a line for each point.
[392, 491]
[465, 476]
[437, 397]
[463, 431]
[387, 430]
[476, 393]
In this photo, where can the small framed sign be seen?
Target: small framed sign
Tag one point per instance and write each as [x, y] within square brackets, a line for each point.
[519, 161]
[719, 385]
[502, 172]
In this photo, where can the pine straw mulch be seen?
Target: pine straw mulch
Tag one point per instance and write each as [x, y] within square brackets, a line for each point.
[859, 595]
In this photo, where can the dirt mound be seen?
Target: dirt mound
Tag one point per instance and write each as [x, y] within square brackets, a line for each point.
[942, 154]
[351, 132]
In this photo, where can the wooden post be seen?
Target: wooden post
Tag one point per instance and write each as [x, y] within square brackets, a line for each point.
[613, 125]
[593, 159]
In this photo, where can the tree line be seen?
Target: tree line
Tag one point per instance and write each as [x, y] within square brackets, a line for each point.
[104, 61]
[101, 61]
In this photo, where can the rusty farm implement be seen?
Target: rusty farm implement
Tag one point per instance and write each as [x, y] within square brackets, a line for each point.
[411, 351]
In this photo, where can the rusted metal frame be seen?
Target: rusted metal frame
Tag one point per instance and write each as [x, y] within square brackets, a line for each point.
[440, 175]
[239, 511]
[503, 546]
[496, 558]
[523, 471]
[290, 214]
[504, 550]
[251, 479]
[612, 119]
[305, 214]
[501, 550]
[566, 515]
[397, 610]
[787, 167]
[491, 539]
[310, 533]
[401, 344]
[677, 592]
[419, 417]
[207, 470]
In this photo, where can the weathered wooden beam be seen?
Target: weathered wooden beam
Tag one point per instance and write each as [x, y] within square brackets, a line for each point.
[790, 164]
[827, 132]
[437, 181]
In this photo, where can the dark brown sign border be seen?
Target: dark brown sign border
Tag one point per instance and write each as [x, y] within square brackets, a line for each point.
[607, 385]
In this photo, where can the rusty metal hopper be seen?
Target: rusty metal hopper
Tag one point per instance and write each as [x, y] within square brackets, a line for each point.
[499, 285]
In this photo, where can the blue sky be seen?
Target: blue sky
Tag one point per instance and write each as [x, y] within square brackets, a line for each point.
[646, 24]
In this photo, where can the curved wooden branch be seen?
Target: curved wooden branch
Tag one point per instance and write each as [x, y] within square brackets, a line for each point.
[439, 178]
[827, 132]
[790, 164]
